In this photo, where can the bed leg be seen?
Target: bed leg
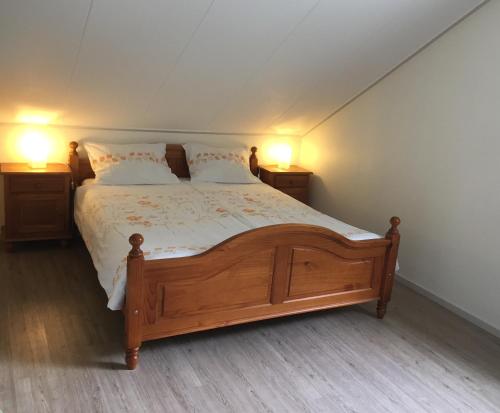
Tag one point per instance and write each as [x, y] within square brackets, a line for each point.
[134, 301]
[381, 309]
[391, 257]
[132, 357]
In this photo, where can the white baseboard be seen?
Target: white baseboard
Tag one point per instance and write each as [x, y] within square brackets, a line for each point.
[449, 306]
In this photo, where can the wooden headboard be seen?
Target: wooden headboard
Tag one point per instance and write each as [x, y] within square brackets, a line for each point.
[175, 156]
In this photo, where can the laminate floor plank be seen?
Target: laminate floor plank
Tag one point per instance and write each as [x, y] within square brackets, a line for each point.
[61, 350]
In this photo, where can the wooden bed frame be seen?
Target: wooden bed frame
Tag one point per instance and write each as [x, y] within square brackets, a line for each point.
[264, 273]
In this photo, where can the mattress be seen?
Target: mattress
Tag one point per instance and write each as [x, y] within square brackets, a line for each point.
[180, 220]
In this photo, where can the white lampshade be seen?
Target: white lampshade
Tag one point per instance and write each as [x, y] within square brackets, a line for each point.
[283, 156]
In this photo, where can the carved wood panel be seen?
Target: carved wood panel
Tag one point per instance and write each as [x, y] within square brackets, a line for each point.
[315, 271]
[245, 284]
[268, 272]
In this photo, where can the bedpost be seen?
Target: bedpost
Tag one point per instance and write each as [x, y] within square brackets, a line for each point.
[74, 164]
[133, 301]
[391, 257]
[254, 162]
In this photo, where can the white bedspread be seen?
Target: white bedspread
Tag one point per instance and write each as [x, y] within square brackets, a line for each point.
[179, 221]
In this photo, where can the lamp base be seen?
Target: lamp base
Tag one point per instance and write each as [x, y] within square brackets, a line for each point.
[283, 165]
[38, 165]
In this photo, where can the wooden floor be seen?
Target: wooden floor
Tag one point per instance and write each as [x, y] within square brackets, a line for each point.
[61, 351]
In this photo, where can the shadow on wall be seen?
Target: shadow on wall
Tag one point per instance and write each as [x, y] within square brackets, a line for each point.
[318, 192]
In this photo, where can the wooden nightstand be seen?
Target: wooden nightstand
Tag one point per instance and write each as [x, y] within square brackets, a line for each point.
[293, 181]
[37, 202]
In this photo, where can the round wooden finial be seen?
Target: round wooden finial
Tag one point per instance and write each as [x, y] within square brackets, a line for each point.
[254, 162]
[136, 241]
[73, 145]
[393, 230]
[395, 221]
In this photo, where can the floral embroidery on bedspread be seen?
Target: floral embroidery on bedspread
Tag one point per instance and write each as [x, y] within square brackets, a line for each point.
[185, 220]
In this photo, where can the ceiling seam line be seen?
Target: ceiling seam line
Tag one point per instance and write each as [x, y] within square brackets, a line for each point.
[152, 130]
[273, 52]
[178, 58]
[380, 79]
[78, 53]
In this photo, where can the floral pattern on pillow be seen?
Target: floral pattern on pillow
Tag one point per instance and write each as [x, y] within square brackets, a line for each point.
[217, 156]
[110, 158]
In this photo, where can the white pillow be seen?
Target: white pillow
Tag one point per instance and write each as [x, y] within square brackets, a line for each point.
[130, 164]
[224, 165]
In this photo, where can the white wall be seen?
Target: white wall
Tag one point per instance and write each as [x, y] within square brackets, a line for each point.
[60, 137]
[424, 144]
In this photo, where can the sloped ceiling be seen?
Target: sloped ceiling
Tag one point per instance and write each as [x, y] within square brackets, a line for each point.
[244, 66]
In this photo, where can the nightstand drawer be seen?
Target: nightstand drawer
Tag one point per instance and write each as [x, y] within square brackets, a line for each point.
[32, 216]
[291, 181]
[30, 184]
[300, 194]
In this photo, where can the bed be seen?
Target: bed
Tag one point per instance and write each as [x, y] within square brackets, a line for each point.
[203, 256]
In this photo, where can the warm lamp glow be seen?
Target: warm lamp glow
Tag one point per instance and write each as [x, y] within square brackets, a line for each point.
[35, 146]
[286, 131]
[282, 155]
[35, 116]
[33, 140]
[310, 153]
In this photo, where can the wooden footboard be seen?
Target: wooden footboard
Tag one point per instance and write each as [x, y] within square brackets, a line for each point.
[264, 273]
